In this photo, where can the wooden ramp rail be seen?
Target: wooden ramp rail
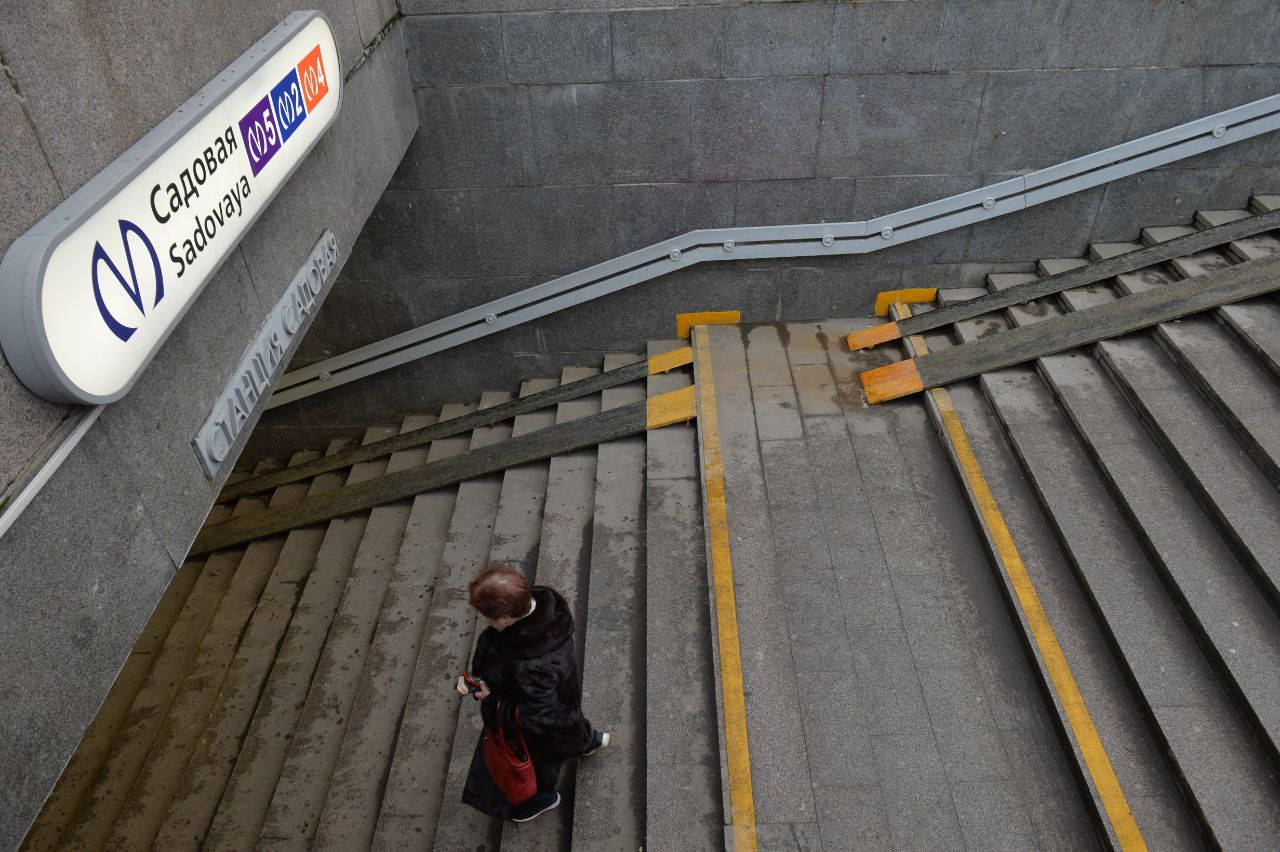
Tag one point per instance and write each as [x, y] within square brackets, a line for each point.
[652, 413]
[457, 425]
[1083, 276]
[1027, 343]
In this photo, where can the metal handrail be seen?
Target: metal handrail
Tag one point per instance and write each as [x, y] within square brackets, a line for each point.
[956, 211]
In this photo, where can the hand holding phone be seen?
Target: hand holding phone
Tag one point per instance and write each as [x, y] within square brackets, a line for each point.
[473, 686]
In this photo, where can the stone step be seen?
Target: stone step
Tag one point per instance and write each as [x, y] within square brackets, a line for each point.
[349, 816]
[245, 801]
[209, 766]
[564, 552]
[1162, 234]
[411, 804]
[682, 757]
[313, 750]
[1130, 585]
[1016, 431]
[1264, 203]
[1106, 251]
[65, 799]
[517, 528]
[1214, 218]
[110, 786]
[189, 715]
[609, 807]
[1058, 265]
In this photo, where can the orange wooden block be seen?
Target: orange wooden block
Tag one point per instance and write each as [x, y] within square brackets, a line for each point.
[684, 322]
[869, 337]
[891, 381]
[912, 294]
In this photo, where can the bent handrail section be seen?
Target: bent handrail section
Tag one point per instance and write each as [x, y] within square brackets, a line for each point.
[754, 243]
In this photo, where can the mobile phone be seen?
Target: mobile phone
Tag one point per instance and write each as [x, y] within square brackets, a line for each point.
[467, 685]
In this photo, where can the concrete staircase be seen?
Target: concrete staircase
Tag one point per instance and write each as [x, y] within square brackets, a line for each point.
[297, 692]
[1140, 475]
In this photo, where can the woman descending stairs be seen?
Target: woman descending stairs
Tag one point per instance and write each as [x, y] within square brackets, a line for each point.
[297, 691]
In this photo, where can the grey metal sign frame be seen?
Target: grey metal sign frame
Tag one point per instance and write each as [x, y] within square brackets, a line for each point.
[23, 267]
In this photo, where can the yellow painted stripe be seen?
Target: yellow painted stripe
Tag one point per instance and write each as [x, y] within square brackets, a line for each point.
[1083, 731]
[677, 406]
[668, 361]
[733, 698]
[685, 322]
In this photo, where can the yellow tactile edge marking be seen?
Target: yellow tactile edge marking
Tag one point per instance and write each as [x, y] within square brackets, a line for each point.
[733, 698]
[677, 406]
[911, 294]
[1055, 661]
[686, 322]
[668, 361]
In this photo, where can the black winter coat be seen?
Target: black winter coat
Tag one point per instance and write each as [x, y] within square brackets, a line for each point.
[532, 665]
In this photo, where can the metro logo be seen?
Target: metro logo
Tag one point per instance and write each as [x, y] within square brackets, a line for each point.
[315, 85]
[142, 280]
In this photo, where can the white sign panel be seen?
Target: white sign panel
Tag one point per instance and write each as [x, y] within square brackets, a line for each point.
[88, 295]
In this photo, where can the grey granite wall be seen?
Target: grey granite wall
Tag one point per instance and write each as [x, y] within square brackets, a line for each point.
[560, 133]
[85, 564]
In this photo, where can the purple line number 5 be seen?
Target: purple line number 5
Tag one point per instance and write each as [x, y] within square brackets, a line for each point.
[260, 134]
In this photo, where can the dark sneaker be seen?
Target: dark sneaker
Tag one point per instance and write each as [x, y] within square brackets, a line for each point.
[599, 740]
[535, 807]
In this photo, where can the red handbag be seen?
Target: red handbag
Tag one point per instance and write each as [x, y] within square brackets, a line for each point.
[511, 769]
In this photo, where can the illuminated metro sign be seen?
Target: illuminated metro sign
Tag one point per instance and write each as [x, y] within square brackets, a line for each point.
[92, 291]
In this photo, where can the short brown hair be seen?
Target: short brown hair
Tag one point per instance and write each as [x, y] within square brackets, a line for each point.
[500, 592]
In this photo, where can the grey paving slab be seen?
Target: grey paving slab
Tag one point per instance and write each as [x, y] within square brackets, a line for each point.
[247, 795]
[777, 413]
[918, 800]
[349, 815]
[452, 49]
[415, 780]
[887, 37]
[667, 44]
[777, 40]
[783, 791]
[557, 47]
[852, 818]
[866, 131]
[789, 837]
[609, 809]
[683, 817]
[317, 740]
[992, 817]
[644, 214]
[755, 128]
[473, 135]
[631, 132]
